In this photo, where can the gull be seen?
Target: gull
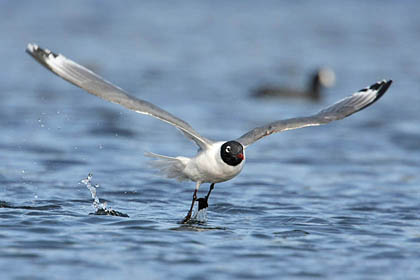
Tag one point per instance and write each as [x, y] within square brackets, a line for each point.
[215, 161]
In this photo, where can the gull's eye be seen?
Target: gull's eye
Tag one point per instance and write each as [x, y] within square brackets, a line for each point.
[227, 149]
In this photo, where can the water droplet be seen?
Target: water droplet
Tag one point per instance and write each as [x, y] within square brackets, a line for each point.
[100, 208]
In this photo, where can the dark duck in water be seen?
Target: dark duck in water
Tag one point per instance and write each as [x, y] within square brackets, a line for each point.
[322, 78]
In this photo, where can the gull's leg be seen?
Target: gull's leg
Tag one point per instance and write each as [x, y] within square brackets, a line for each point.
[203, 202]
[211, 188]
[188, 217]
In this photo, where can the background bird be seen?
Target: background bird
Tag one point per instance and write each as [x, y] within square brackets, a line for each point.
[320, 79]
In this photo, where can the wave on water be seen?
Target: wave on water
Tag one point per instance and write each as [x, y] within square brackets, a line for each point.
[5, 204]
[100, 208]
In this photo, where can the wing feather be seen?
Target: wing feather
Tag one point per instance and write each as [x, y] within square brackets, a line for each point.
[96, 85]
[343, 108]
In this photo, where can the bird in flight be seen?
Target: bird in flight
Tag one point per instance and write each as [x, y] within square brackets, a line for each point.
[215, 161]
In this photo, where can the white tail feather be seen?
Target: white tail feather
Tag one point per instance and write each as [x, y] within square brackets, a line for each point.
[169, 166]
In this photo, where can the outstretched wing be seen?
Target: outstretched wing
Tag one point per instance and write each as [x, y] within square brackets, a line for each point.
[96, 85]
[343, 108]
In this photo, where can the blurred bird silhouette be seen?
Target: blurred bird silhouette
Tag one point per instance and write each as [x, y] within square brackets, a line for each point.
[321, 78]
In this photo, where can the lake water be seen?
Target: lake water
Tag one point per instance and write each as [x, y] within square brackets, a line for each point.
[340, 201]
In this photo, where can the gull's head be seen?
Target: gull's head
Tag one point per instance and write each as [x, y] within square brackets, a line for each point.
[232, 153]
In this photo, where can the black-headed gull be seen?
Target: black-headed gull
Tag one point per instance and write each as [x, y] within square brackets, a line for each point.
[215, 162]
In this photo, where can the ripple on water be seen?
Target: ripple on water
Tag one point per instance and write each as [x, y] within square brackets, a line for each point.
[44, 244]
[60, 164]
[229, 209]
[32, 148]
[196, 227]
[113, 131]
[415, 239]
[296, 233]
[4, 204]
[409, 141]
[349, 220]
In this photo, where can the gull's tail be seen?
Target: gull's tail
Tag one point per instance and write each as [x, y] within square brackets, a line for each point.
[170, 167]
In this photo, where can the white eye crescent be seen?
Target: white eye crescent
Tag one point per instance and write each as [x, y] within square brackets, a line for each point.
[227, 149]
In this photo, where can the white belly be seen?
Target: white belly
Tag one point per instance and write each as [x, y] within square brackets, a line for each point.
[208, 167]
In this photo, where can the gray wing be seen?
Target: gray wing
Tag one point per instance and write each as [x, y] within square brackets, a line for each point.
[343, 108]
[96, 85]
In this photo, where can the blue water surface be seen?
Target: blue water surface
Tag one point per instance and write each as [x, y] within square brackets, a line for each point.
[340, 201]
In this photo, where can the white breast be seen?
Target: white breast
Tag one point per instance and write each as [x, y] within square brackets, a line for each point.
[208, 166]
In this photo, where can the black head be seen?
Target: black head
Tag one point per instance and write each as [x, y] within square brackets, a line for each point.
[232, 153]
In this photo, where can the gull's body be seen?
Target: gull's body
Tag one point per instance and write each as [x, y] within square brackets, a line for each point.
[215, 162]
[206, 167]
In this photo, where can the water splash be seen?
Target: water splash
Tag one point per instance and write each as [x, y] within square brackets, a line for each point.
[100, 208]
[198, 221]
[200, 215]
[92, 188]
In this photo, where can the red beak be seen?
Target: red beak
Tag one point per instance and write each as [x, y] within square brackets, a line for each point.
[241, 156]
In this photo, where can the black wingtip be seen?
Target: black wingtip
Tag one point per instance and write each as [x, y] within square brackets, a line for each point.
[376, 85]
[381, 86]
